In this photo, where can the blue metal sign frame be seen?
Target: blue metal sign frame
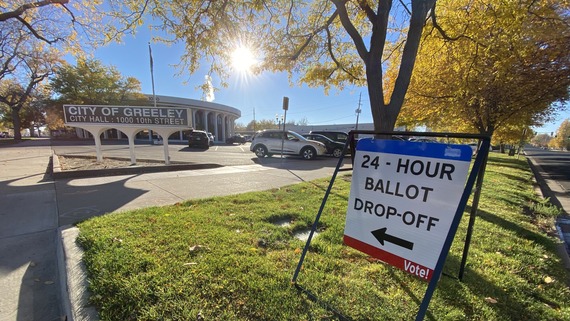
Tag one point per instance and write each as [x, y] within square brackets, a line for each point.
[475, 178]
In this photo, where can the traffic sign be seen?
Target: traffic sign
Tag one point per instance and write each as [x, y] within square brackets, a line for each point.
[403, 198]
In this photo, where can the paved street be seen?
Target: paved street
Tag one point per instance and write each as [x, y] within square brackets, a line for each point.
[552, 169]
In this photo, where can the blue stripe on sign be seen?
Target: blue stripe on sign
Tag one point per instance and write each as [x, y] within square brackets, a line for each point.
[422, 149]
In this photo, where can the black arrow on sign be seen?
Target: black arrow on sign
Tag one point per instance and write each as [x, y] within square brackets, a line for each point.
[382, 236]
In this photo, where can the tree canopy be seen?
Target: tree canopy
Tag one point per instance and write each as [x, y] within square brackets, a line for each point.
[90, 82]
[34, 35]
[491, 66]
[562, 138]
[328, 43]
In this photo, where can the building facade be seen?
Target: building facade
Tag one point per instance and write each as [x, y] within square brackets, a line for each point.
[215, 118]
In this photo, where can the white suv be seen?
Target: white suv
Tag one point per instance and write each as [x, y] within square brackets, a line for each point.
[269, 142]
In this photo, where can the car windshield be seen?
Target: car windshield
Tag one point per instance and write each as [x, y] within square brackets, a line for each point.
[293, 135]
[321, 138]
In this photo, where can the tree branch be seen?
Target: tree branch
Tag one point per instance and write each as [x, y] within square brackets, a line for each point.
[366, 8]
[333, 57]
[443, 33]
[351, 30]
[35, 33]
[29, 6]
[313, 34]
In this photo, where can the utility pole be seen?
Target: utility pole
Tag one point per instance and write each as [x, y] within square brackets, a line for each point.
[358, 110]
[254, 120]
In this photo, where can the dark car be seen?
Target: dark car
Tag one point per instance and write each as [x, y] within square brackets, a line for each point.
[332, 135]
[333, 148]
[198, 139]
[235, 139]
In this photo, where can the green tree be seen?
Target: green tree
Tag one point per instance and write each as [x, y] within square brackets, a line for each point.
[494, 67]
[91, 83]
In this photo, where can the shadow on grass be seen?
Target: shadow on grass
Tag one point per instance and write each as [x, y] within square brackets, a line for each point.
[520, 231]
[325, 305]
[508, 162]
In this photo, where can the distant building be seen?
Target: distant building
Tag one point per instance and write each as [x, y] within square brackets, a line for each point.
[337, 127]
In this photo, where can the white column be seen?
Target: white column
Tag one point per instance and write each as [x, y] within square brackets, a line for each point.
[206, 123]
[224, 125]
[216, 133]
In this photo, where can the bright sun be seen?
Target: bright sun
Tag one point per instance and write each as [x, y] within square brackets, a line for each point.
[243, 59]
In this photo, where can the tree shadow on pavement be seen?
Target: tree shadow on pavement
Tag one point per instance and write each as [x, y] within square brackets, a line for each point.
[81, 199]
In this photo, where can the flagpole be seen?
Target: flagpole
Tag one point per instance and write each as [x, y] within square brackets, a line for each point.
[152, 74]
[163, 134]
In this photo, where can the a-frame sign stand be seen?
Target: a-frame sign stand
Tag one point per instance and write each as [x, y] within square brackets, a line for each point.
[431, 267]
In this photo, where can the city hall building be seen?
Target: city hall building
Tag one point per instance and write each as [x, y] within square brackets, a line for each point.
[215, 118]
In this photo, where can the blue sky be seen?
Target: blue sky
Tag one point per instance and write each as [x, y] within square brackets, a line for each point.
[263, 93]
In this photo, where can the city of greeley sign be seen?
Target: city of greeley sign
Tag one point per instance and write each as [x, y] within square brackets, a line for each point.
[126, 115]
[129, 120]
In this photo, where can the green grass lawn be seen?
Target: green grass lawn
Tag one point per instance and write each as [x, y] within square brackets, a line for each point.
[225, 259]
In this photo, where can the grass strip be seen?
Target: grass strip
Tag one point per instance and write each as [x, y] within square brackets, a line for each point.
[225, 258]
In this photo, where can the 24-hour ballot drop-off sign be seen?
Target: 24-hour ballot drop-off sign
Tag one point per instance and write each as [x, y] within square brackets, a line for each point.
[402, 201]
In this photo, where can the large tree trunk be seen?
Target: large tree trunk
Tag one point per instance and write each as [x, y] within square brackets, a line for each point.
[16, 123]
[385, 115]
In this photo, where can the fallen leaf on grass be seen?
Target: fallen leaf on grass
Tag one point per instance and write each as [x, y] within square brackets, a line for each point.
[196, 248]
[490, 300]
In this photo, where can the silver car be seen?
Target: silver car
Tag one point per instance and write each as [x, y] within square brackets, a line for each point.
[269, 142]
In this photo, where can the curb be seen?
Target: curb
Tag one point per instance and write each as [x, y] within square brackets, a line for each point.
[544, 190]
[73, 277]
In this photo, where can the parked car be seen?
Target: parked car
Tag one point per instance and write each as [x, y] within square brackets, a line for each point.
[235, 139]
[198, 139]
[211, 138]
[269, 142]
[333, 148]
[333, 135]
[422, 140]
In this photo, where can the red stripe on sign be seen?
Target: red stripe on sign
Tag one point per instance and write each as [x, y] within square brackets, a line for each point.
[392, 259]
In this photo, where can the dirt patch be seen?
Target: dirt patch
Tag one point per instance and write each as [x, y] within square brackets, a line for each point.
[74, 163]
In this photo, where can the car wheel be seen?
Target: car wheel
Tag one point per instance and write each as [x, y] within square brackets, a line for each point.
[337, 152]
[308, 153]
[260, 151]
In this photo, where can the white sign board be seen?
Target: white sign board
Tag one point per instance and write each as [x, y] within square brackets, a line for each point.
[127, 116]
[403, 198]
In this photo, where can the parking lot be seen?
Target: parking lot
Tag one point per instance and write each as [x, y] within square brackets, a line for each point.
[222, 154]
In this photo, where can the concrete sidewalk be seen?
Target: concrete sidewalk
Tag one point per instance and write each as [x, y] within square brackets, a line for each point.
[28, 235]
[34, 206]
